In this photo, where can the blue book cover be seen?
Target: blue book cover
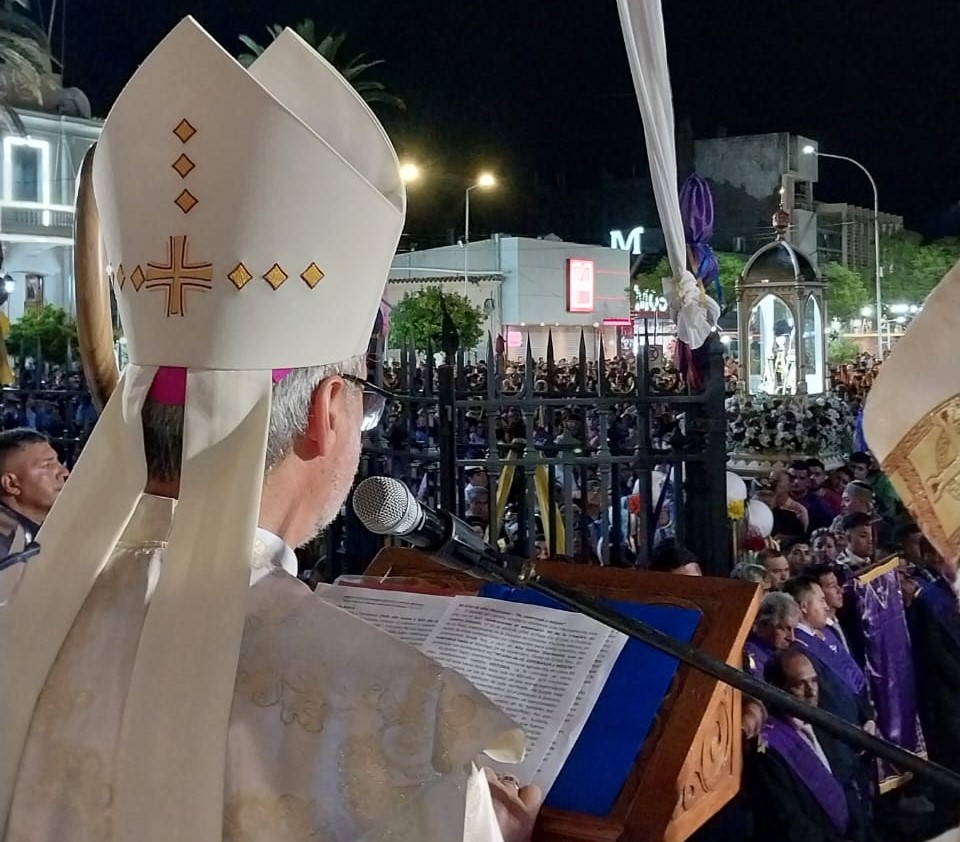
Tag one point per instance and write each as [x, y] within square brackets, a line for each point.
[607, 748]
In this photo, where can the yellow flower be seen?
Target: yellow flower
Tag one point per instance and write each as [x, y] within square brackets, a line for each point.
[736, 509]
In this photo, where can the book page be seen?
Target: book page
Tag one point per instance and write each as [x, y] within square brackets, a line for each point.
[529, 660]
[410, 617]
[566, 738]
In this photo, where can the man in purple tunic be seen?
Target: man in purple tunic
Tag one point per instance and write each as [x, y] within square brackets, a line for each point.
[842, 683]
[801, 781]
[773, 630]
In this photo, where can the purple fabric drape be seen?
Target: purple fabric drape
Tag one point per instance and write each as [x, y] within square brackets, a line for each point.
[830, 651]
[889, 661]
[783, 738]
[696, 211]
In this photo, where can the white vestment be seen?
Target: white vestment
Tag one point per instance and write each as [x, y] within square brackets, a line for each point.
[337, 731]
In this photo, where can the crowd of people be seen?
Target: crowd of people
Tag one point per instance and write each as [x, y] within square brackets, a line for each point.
[830, 527]
[857, 608]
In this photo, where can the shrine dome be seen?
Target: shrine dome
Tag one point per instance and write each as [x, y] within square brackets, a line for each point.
[778, 262]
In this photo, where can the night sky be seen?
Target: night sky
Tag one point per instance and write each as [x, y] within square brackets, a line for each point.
[537, 88]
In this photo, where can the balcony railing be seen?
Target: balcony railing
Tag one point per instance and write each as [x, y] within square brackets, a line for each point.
[35, 219]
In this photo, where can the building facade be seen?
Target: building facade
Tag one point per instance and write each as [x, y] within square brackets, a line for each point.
[846, 234]
[528, 289]
[38, 179]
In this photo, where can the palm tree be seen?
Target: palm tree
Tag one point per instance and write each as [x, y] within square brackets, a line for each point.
[25, 50]
[329, 47]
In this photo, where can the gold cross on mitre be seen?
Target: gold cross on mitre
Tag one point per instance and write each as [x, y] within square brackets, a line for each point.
[179, 275]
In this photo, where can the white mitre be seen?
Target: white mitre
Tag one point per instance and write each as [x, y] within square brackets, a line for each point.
[912, 417]
[249, 220]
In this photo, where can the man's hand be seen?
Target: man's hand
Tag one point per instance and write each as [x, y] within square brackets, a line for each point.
[516, 806]
[752, 718]
[871, 728]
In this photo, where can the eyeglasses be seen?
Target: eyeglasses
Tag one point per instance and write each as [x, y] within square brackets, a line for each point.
[374, 401]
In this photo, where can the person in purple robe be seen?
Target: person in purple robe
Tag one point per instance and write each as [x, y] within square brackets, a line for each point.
[933, 616]
[843, 684]
[773, 630]
[801, 782]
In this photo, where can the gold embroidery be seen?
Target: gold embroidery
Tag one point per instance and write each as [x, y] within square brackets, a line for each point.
[303, 701]
[183, 165]
[186, 201]
[286, 818]
[77, 778]
[184, 130]
[924, 468]
[137, 278]
[240, 276]
[299, 695]
[179, 275]
[275, 276]
[312, 275]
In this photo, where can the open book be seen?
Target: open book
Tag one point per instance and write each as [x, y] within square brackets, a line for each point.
[543, 667]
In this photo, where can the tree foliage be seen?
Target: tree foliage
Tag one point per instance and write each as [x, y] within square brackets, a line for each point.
[25, 51]
[846, 291]
[48, 329]
[842, 350]
[329, 46]
[731, 267]
[912, 268]
[417, 319]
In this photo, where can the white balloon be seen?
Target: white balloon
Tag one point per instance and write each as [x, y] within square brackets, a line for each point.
[760, 518]
[736, 488]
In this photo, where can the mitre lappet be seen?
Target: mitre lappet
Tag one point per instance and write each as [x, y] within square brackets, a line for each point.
[249, 219]
[912, 417]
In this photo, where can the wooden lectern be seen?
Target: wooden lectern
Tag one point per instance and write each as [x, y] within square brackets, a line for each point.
[690, 764]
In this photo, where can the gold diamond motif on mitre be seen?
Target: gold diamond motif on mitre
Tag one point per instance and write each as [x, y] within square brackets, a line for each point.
[275, 276]
[184, 130]
[186, 201]
[184, 166]
[312, 275]
[240, 276]
[137, 278]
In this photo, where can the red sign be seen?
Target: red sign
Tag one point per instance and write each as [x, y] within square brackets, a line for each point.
[579, 286]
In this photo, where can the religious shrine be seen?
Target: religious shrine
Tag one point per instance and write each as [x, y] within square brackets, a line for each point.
[782, 410]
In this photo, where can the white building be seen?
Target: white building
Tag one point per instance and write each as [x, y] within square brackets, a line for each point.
[529, 288]
[38, 180]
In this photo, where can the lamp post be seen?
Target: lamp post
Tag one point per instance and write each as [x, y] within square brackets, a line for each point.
[878, 316]
[485, 181]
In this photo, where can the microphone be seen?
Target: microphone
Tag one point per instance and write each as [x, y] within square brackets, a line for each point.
[386, 506]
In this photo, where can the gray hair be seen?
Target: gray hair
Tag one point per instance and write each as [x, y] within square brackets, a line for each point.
[748, 572]
[777, 608]
[860, 490]
[289, 413]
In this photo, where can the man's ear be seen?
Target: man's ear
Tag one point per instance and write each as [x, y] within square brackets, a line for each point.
[328, 418]
[9, 484]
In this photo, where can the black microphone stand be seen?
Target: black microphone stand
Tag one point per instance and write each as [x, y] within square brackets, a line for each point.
[482, 560]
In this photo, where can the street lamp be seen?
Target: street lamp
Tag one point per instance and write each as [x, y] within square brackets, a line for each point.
[484, 182]
[810, 150]
[409, 171]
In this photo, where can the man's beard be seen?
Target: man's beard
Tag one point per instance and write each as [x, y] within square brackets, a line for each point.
[341, 482]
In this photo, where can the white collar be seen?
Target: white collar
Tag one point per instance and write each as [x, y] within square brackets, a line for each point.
[269, 553]
[151, 523]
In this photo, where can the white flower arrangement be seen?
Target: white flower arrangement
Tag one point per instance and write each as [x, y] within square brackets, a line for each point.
[788, 425]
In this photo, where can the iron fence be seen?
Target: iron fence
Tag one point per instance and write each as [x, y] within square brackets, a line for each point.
[588, 460]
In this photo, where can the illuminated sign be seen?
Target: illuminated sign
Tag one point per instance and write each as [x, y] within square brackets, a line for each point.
[514, 339]
[617, 322]
[579, 285]
[632, 243]
[647, 303]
